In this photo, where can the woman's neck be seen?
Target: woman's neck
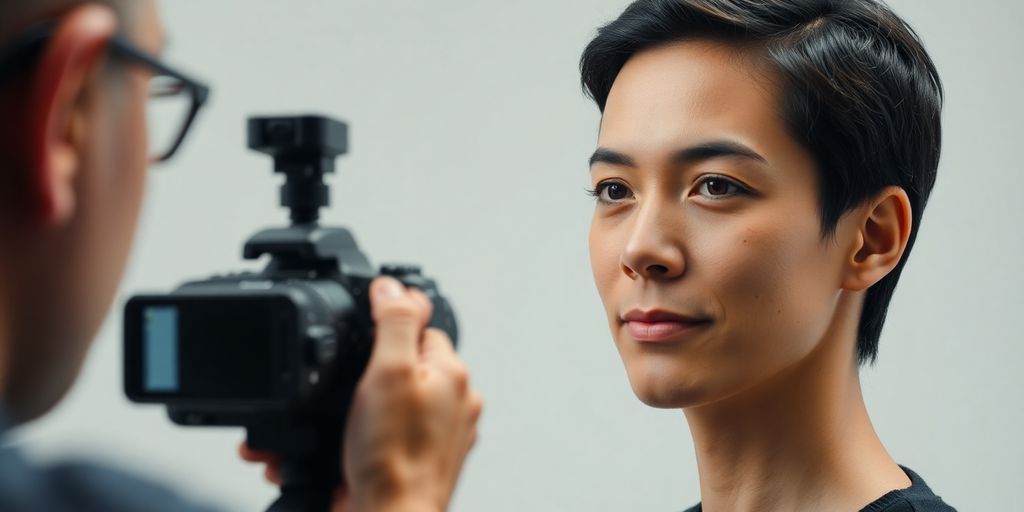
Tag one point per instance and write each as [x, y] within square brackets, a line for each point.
[802, 441]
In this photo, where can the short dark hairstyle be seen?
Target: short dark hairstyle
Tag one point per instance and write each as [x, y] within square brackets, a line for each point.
[859, 92]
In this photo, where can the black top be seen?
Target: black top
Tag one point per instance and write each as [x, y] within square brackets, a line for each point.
[916, 498]
[78, 487]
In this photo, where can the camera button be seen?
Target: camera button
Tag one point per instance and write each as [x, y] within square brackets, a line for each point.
[321, 344]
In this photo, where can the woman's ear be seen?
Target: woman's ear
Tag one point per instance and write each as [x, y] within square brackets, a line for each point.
[880, 240]
[57, 115]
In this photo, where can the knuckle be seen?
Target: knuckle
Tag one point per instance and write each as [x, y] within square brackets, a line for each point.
[420, 400]
[460, 376]
[476, 405]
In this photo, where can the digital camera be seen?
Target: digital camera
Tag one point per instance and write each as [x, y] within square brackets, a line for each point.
[280, 351]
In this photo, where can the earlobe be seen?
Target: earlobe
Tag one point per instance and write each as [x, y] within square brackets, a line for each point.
[56, 113]
[880, 240]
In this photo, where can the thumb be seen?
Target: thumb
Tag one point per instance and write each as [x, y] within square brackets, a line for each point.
[399, 319]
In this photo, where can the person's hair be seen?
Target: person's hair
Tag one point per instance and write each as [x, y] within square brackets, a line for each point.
[858, 91]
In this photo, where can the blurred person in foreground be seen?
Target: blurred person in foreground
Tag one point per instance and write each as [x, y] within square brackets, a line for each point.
[75, 79]
[761, 172]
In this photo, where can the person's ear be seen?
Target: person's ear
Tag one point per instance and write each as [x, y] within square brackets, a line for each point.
[57, 113]
[880, 239]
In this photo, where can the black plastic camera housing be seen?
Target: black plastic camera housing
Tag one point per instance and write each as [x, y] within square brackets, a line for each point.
[280, 351]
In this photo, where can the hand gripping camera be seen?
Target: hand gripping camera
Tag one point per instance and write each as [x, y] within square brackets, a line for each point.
[278, 352]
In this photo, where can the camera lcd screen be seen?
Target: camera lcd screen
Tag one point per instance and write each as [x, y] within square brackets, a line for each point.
[207, 348]
[160, 349]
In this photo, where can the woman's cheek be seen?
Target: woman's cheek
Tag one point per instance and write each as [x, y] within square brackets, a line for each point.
[750, 273]
[603, 259]
[775, 294]
[605, 249]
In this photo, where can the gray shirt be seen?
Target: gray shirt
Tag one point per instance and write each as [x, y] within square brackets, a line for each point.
[78, 487]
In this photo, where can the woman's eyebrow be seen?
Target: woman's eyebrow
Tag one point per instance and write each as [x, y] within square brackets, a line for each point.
[610, 156]
[716, 149]
[689, 155]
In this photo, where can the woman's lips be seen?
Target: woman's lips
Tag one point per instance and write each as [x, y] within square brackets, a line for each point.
[659, 331]
[659, 325]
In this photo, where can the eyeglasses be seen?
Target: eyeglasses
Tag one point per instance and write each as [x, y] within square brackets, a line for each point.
[174, 97]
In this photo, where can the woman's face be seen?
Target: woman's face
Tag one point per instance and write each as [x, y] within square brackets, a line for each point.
[707, 217]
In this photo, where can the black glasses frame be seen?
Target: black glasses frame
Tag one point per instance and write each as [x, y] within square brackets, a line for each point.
[23, 52]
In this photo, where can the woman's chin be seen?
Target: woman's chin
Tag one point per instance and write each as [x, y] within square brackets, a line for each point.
[667, 393]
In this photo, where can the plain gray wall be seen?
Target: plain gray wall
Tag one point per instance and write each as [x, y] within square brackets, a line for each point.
[469, 144]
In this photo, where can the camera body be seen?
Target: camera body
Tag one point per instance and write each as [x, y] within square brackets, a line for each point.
[279, 351]
[229, 349]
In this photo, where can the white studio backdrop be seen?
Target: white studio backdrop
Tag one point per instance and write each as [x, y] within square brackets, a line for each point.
[469, 141]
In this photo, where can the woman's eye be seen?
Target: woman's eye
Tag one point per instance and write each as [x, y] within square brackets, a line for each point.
[716, 187]
[611, 192]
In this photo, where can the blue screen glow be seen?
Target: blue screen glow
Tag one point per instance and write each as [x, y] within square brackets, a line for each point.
[161, 349]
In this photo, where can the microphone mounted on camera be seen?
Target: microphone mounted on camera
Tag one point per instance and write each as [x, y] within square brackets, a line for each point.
[304, 149]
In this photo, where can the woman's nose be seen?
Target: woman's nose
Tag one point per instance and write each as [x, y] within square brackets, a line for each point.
[654, 249]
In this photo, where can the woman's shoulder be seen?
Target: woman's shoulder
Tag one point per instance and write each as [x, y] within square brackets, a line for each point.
[916, 498]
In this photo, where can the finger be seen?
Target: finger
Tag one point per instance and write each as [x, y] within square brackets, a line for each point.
[398, 319]
[245, 452]
[250, 455]
[273, 474]
[448, 368]
[476, 406]
[436, 345]
[424, 302]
